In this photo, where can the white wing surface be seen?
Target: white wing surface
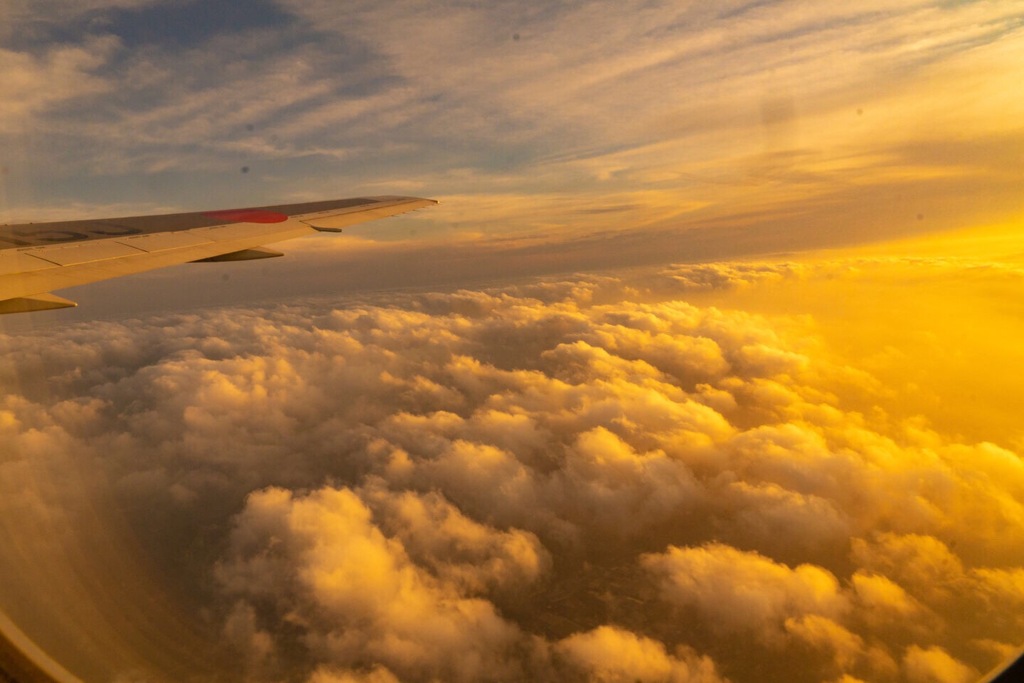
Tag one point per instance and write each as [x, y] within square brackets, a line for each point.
[37, 258]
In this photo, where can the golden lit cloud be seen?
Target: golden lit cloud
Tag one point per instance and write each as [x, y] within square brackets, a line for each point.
[611, 655]
[707, 469]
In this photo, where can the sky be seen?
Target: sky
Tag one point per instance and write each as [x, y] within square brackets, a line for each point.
[703, 369]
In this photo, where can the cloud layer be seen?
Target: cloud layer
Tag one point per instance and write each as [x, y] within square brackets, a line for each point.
[577, 479]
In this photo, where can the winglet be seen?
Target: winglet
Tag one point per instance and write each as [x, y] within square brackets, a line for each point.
[333, 220]
[37, 302]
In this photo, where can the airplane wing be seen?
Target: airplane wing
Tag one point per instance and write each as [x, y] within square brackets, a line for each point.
[36, 258]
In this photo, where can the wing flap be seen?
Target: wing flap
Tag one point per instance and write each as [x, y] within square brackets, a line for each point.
[73, 254]
[15, 262]
[161, 241]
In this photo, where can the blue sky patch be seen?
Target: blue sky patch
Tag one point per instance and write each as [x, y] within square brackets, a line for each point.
[192, 23]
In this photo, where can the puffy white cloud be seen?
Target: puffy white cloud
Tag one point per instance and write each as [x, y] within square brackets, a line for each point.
[474, 557]
[508, 485]
[825, 634]
[735, 590]
[613, 655]
[934, 665]
[884, 599]
[321, 562]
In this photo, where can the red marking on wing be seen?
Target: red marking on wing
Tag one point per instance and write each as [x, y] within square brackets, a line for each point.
[248, 216]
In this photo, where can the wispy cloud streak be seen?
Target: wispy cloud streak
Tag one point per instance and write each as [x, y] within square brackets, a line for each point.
[733, 109]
